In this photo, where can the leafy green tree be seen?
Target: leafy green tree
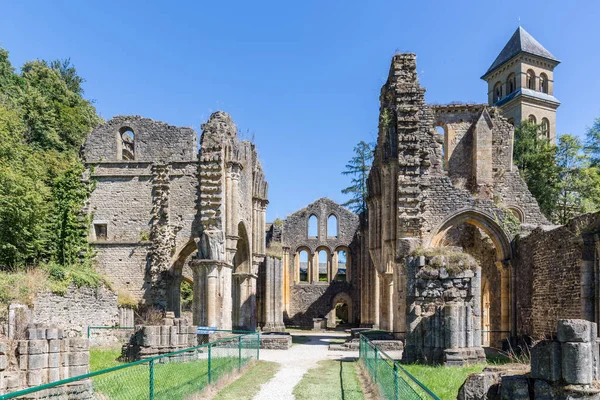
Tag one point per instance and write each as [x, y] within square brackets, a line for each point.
[571, 161]
[358, 167]
[536, 158]
[592, 143]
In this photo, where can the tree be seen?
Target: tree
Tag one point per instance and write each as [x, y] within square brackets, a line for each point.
[571, 187]
[358, 167]
[536, 158]
[592, 143]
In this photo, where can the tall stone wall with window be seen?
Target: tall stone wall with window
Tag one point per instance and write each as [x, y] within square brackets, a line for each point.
[313, 284]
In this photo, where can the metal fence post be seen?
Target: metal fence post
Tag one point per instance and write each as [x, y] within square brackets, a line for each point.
[396, 381]
[151, 365]
[209, 363]
[376, 367]
[240, 354]
[258, 346]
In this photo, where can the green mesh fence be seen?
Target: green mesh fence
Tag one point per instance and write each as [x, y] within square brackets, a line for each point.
[393, 381]
[170, 376]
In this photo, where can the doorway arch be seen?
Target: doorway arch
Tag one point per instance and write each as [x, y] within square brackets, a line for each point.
[344, 301]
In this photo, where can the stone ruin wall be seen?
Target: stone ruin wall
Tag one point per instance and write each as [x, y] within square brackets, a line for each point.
[304, 301]
[45, 356]
[558, 270]
[148, 203]
[444, 311]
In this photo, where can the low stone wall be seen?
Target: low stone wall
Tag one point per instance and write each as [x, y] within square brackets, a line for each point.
[77, 309]
[443, 311]
[276, 342]
[565, 368]
[45, 356]
[149, 341]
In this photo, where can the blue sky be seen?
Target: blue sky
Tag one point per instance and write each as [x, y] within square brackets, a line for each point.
[302, 78]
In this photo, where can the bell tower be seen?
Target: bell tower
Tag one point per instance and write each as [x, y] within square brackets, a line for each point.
[521, 83]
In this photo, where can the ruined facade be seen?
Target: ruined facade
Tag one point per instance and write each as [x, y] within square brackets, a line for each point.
[162, 211]
[320, 265]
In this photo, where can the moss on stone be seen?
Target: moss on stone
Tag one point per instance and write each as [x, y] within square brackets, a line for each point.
[446, 257]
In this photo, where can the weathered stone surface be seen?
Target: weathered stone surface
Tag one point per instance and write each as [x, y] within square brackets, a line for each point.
[577, 363]
[576, 330]
[546, 361]
[514, 387]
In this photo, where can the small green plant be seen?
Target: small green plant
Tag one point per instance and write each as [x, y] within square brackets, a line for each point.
[144, 236]
[278, 222]
[126, 300]
[275, 249]
[453, 260]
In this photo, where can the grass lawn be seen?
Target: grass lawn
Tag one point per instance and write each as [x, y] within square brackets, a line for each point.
[331, 380]
[444, 382]
[174, 380]
[248, 385]
[102, 358]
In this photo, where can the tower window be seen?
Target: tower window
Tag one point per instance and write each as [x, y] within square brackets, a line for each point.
[332, 226]
[532, 119]
[511, 83]
[127, 148]
[530, 80]
[303, 266]
[543, 83]
[497, 92]
[545, 127]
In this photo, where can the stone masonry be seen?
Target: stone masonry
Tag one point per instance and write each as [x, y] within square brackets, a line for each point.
[45, 356]
[444, 309]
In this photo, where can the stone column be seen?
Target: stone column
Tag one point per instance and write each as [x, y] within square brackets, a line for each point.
[206, 281]
[226, 275]
[476, 309]
[376, 302]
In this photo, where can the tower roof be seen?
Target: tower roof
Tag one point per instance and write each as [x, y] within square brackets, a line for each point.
[520, 41]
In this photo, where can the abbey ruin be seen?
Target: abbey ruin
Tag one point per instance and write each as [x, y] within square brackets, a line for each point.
[452, 255]
[166, 210]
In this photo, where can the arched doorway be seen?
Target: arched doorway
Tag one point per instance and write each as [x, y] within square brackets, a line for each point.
[179, 272]
[478, 234]
[241, 291]
[341, 310]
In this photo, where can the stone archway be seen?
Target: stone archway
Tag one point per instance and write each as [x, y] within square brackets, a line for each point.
[244, 284]
[341, 299]
[176, 276]
[470, 229]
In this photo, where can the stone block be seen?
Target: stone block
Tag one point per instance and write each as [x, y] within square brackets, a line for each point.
[53, 374]
[3, 348]
[38, 347]
[34, 377]
[41, 333]
[575, 330]
[78, 370]
[543, 390]
[577, 363]
[51, 333]
[23, 362]
[151, 330]
[79, 344]
[514, 387]
[79, 358]
[31, 334]
[37, 361]
[3, 362]
[53, 360]
[545, 361]
[54, 346]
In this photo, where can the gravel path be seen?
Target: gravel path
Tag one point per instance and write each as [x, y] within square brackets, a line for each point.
[296, 361]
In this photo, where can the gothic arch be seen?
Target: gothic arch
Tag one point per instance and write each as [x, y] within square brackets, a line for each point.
[481, 220]
[175, 277]
[343, 298]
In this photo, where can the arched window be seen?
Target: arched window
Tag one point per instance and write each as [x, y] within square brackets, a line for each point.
[532, 119]
[323, 261]
[332, 226]
[313, 226]
[442, 139]
[511, 83]
[545, 127]
[543, 83]
[497, 91]
[127, 145]
[341, 266]
[304, 266]
[531, 80]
